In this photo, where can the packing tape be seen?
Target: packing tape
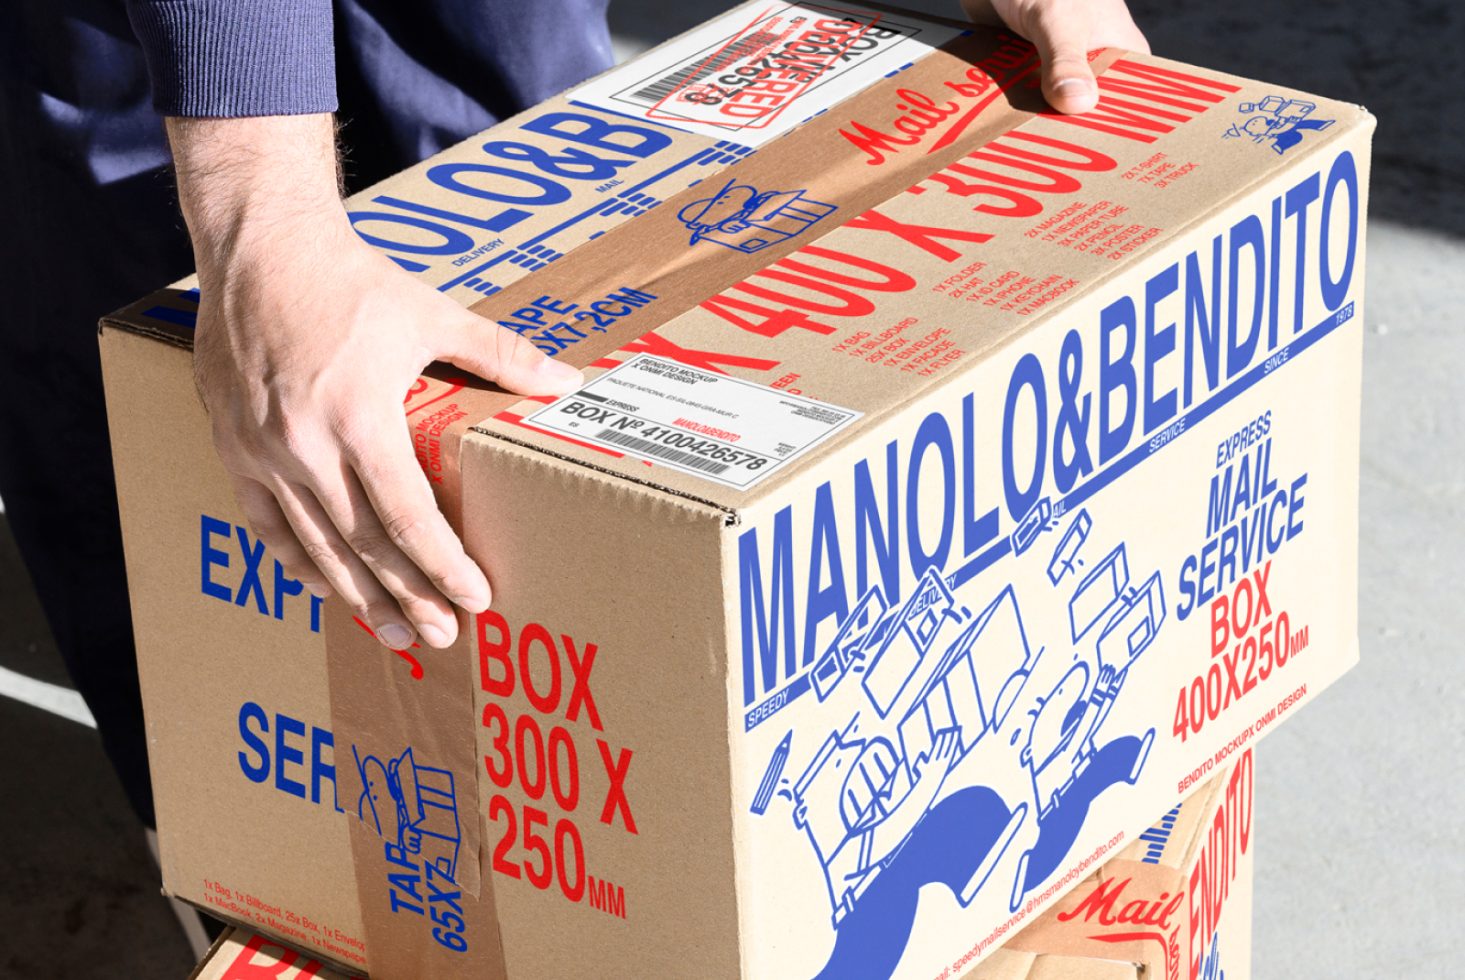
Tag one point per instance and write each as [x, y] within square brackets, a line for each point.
[408, 719]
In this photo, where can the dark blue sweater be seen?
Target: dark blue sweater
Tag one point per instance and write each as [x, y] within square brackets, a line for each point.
[90, 221]
[427, 71]
[408, 77]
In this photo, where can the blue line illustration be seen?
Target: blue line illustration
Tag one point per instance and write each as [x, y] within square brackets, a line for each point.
[1098, 592]
[764, 796]
[847, 651]
[1068, 770]
[1065, 555]
[884, 802]
[900, 646]
[742, 218]
[1033, 523]
[414, 805]
[1278, 121]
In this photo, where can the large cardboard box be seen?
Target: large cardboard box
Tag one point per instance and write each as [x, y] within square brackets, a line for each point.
[243, 955]
[956, 484]
[1177, 902]
[1008, 965]
[1180, 893]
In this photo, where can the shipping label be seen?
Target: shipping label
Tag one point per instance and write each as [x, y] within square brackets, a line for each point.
[711, 425]
[755, 73]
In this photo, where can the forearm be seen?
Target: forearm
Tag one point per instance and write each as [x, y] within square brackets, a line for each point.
[242, 182]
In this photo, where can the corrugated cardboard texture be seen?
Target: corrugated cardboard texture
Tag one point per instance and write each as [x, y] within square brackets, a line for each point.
[241, 955]
[1007, 965]
[1178, 901]
[876, 275]
[646, 720]
[234, 686]
[940, 619]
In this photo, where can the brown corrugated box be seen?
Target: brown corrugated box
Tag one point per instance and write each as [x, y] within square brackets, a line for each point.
[243, 955]
[1175, 903]
[955, 486]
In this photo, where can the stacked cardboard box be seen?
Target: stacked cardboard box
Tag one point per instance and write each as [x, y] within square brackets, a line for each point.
[243, 955]
[955, 486]
[1175, 903]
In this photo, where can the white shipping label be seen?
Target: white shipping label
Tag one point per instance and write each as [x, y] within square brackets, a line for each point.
[723, 429]
[757, 72]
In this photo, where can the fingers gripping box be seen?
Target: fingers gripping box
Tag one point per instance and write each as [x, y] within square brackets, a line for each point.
[954, 485]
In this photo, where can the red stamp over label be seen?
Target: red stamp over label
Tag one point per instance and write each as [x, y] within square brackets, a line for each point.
[757, 73]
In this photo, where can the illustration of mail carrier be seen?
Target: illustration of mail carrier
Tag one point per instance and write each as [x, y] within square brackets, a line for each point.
[414, 805]
[743, 218]
[1111, 625]
[878, 802]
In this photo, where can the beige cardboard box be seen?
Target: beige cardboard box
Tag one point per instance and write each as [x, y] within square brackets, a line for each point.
[955, 485]
[1189, 875]
[1005, 964]
[243, 955]
[1177, 901]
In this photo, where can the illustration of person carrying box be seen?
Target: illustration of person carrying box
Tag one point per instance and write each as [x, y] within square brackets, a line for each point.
[887, 803]
[875, 801]
[1068, 768]
[742, 218]
[1282, 122]
[415, 806]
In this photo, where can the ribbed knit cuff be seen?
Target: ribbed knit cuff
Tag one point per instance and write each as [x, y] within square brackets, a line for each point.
[230, 58]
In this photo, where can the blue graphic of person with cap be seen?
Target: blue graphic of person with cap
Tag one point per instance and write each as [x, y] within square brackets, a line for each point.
[1282, 122]
[741, 217]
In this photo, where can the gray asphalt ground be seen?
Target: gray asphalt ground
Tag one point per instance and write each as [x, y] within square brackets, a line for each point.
[1361, 861]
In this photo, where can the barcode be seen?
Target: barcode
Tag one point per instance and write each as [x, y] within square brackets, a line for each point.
[687, 74]
[662, 452]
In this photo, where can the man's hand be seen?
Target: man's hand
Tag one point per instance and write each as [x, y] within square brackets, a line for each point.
[1064, 31]
[307, 343]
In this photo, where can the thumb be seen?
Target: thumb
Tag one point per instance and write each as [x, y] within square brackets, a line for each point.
[1061, 33]
[505, 358]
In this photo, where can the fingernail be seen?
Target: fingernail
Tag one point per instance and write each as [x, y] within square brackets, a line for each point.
[560, 373]
[319, 591]
[394, 635]
[474, 604]
[1071, 86]
[433, 635]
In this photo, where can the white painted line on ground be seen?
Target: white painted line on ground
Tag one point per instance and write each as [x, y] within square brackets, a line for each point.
[48, 697]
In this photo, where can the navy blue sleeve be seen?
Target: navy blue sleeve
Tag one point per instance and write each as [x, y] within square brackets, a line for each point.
[229, 58]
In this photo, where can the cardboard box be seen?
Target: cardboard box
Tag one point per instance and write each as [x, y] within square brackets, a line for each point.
[243, 955]
[1177, 902]
[1181, 892]
[955, 486]
[1007, 965]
